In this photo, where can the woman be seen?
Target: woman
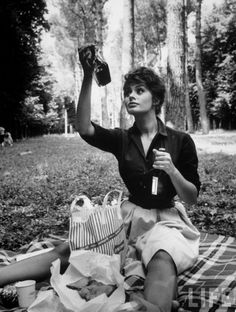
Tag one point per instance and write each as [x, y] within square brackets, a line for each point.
[156, 163]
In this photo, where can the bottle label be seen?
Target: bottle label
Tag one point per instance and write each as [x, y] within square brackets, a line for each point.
[154, 185]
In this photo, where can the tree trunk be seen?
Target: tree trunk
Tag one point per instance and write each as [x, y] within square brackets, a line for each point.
[189, 117]
[175, 104]
[201, 93]
[127, 53]
[66, 122]
[145, 58]
[128, 36]
[100, 44]
[113, 56]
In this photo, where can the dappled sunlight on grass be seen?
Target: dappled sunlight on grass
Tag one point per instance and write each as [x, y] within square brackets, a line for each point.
[216, 142]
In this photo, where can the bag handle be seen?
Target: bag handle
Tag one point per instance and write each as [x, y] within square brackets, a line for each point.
[73, 204]
[105, 200]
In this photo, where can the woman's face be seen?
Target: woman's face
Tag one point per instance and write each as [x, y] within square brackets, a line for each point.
[138, 99]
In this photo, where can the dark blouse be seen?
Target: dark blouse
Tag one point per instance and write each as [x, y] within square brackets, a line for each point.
[136, 169]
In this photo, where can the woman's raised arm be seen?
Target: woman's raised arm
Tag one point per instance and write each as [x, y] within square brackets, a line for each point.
[83, 114]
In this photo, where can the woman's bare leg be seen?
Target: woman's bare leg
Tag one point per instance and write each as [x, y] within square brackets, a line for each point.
[161, 281]
[36, 267]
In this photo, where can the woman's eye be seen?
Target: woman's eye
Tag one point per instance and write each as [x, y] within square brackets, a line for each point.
[140, 90]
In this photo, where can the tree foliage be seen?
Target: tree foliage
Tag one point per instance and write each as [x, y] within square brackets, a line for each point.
[198, 71]
[223, 46]
[21, 23]
[219, 65]
[29, 84]
[84, 20]
[150, 30]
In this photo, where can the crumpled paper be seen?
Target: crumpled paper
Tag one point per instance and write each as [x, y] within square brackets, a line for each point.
[47, 301]
[100, 267]
[103, 268]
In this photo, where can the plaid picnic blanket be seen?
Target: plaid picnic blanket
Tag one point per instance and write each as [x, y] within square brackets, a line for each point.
[210, 285]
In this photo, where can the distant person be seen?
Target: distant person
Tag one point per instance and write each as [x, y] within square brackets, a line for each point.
[8, 141]
[2, 131]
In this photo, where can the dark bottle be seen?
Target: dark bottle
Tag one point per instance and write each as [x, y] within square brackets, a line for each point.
[102, 72]
[101, 69]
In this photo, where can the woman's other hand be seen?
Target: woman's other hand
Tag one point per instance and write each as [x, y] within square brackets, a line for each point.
[163, 161]
[186, 190]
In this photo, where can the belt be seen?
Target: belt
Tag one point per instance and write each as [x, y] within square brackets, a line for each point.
[151, 203]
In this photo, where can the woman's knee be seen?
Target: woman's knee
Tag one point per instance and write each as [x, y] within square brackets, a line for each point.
[162, 259]
[63, 250]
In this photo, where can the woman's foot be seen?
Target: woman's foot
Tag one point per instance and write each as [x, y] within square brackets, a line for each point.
[149, 307]
[137, 303]
[141, 305]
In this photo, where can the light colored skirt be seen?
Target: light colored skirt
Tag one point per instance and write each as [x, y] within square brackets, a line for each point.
[151, 230]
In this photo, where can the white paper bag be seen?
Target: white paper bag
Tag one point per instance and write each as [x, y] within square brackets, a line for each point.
[100, 267]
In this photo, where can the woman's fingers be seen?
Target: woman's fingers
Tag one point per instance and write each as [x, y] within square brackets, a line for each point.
[87, 57]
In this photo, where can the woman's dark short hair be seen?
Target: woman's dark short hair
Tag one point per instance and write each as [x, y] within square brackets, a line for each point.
[151, 80]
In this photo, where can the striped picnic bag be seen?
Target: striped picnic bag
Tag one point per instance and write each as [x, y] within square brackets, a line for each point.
[99, 228]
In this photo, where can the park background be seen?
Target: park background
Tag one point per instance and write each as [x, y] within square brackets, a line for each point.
[192, 44]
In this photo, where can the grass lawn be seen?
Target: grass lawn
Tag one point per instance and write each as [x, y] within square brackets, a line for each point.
[39, 178]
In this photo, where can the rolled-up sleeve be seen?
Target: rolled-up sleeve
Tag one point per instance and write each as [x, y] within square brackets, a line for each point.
[108, 140]
[189, 162]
